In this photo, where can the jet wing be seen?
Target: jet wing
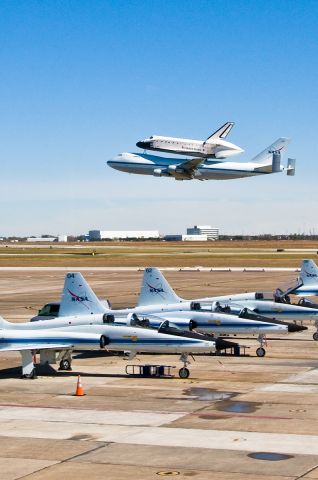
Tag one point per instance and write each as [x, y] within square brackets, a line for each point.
[33, 346]
[191, 164]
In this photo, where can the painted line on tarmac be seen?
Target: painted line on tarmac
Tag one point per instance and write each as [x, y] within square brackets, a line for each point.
[291, 444]
[75, 415]
[141, 269]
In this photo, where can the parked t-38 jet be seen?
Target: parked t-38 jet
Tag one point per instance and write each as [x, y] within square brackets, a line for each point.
[159, 303]
[89, 331]
[213, 147]
[266, 162]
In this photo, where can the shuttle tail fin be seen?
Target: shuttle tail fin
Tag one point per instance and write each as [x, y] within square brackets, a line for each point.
[155, 289]
[222, 132]
[78, 298]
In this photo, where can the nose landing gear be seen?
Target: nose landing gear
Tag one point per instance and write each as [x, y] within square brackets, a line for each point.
[260, 351]
[184, 372]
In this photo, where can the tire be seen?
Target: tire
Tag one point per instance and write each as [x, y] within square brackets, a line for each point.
[31, 375]
[315, 336]
[65, 364]
[184, 372]
[260, 352]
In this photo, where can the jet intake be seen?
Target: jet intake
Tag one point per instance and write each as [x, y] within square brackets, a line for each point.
[103, 341]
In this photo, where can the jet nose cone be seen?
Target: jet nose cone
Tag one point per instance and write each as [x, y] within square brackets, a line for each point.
[293, 327]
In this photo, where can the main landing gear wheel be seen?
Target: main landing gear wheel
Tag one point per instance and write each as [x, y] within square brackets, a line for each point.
[260, 352]
[315, 336]
[65, 364]
[31, 375]
[184, 372]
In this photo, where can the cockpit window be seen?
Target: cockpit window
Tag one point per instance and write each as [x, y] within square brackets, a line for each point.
[49, 309]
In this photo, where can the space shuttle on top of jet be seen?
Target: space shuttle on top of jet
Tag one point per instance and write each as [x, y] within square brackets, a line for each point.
[213, 147]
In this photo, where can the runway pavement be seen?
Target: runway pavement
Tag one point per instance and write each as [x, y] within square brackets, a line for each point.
[235, 418]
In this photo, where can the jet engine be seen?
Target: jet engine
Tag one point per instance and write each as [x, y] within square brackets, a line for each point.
[157, 172]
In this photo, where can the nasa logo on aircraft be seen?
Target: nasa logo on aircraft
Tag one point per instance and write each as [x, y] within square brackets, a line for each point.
[157, 290]
[78, 298]
[312, 275]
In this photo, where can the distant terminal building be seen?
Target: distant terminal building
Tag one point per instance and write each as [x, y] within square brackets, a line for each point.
[211, 233]
[96, 235]
[62, 238]
[195, 238]
[185, 238]
[59, 238]
[41, 239]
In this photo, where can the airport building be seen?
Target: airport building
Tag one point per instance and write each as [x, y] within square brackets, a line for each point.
[96, 235]
[211, 233]
[185, 238]
[59, 238]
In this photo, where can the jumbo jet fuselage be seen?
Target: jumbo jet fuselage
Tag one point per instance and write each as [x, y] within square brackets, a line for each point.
[145, 164]
[214, 148]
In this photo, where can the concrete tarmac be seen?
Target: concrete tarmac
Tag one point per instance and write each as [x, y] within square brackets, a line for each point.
[235, 417]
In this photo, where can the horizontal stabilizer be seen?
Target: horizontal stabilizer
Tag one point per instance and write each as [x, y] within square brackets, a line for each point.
[291, 166]
[222, 132]
[266, 156]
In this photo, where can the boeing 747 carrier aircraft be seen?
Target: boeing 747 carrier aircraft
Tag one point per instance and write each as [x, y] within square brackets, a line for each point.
[266, 162]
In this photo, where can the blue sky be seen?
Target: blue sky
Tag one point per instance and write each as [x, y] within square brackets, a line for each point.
[84, 80]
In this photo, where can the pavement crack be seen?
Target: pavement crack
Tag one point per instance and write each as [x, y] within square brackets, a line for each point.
[102, 445]
[306, 473]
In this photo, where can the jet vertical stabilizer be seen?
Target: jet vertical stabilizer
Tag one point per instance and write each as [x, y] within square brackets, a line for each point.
[78, 298]
[308, 279]
[266, 156]
[155, 289]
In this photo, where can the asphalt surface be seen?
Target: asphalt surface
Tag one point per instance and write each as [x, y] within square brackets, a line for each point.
[234, 418]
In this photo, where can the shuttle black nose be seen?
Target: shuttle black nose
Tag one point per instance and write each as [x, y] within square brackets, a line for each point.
[143, 145]
[293, 327]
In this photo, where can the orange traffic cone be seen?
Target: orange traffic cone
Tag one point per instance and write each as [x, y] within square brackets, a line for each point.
[79, 388]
